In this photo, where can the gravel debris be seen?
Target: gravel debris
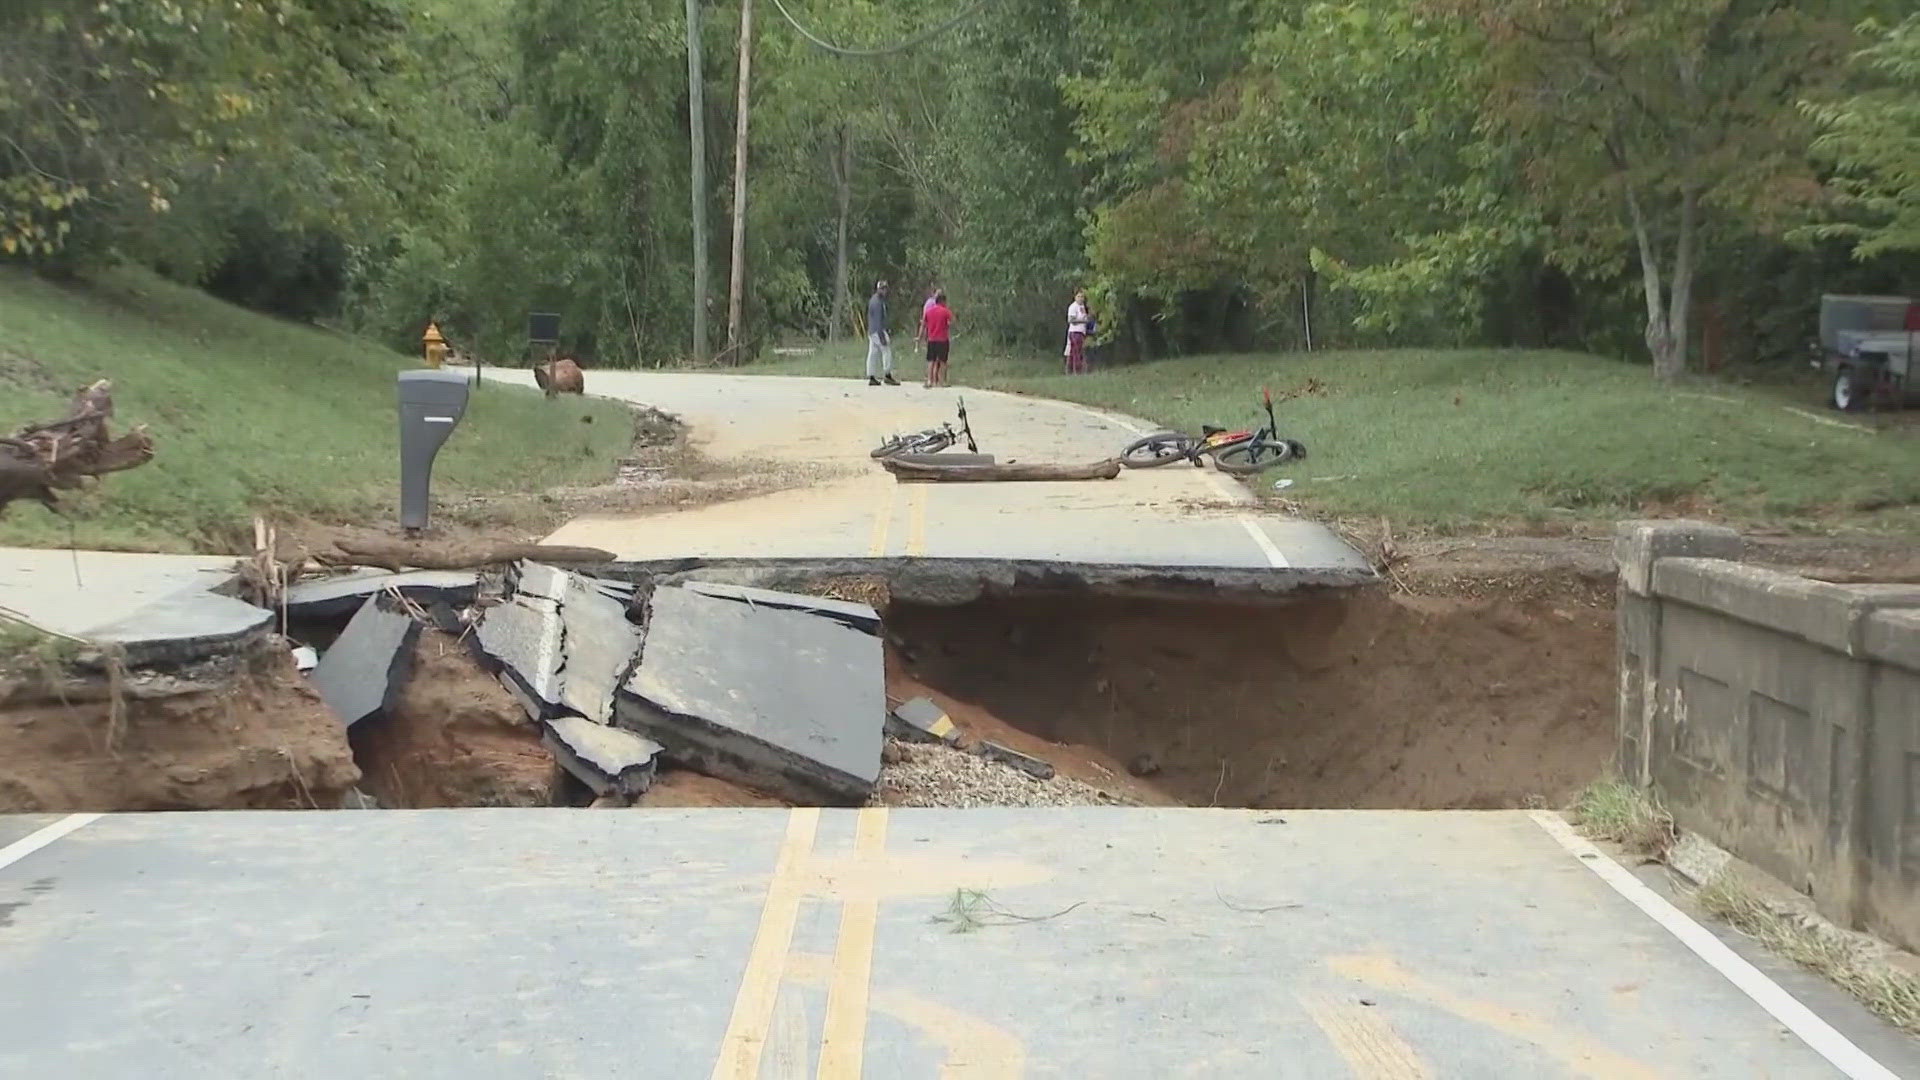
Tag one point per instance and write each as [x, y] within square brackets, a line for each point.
[939, 776]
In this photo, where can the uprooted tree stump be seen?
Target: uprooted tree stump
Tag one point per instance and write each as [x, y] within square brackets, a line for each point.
[561, 376]
[65, 454]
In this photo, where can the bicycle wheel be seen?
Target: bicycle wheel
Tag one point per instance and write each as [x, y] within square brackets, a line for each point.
[932, 442]
[1159, 448]
[1255, 455]
[896, 444]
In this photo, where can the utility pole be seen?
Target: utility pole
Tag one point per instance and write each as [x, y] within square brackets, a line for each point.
[697, 141]
[838, 322]
[737, 286]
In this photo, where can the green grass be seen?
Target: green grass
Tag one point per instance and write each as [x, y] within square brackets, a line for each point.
[1612, 809]
[1460, 440]
[1850, 961]
[254, 415]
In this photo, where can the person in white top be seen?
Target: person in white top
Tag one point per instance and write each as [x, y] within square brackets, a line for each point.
[1078, 319]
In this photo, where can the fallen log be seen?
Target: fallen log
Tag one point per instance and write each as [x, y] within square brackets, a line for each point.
[64, 454]
[924, 471]
[454, 555]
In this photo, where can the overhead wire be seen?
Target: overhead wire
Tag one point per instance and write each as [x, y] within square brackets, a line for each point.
[903, 45]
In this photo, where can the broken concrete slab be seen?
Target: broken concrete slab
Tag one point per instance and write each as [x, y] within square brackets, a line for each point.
[522, 635]
[783, 700]
[598, 645]
[921, 720]
[363, 672]
[331, 597]
[1007, 755]
[608, 760]
[846, 612]
[157, 610]
[538, 579]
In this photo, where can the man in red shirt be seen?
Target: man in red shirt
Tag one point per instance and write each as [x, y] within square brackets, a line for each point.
[937, 321]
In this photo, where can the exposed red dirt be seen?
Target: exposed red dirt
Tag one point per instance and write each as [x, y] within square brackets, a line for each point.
[257, 738]
[455, 738]
[675, 788]
[1342, 699]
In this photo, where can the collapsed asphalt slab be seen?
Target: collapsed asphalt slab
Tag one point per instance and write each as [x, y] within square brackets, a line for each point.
[331, 597]
[608, 760]
[161, 611]
[521, 636]
[560, 641]
[782, 699]
[366, 667]
[597, 646]
[846, 612]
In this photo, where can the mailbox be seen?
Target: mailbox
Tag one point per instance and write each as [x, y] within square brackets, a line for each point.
[432, 401]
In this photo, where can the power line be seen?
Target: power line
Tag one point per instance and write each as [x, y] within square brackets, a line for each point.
[885, 50]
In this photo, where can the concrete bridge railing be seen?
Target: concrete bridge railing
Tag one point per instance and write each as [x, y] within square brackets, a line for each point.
[1777, 716]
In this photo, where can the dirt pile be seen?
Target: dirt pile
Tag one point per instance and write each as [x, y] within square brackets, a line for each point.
[1349, 699]
[246, 734]
[455, 738]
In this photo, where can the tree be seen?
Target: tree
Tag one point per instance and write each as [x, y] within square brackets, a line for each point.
[1640, 116]
[1873, 140]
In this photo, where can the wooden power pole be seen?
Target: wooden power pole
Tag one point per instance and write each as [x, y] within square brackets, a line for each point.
[839, 321]
[736, 287]
[697, 141]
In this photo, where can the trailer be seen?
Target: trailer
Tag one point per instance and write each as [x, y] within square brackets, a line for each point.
[1868, 347]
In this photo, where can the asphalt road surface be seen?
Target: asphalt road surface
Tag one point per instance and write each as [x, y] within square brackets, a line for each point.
[877, 943]
[846, 507]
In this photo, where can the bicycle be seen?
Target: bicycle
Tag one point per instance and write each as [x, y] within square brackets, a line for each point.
[929, 441]
[1240, 453]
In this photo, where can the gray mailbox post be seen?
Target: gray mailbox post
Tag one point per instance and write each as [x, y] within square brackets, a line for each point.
[431, 403]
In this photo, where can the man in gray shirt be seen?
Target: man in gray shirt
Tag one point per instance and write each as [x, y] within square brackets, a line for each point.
[879, 341]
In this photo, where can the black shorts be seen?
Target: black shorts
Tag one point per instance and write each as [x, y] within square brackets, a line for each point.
[937, 351]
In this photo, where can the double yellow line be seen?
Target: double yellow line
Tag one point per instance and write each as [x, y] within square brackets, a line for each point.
[843, 1040]
[916, 520]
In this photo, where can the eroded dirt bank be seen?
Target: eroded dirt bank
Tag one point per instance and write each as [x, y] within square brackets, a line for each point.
[1356, 698]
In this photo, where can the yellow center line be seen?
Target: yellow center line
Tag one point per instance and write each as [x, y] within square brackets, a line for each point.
[917, 521]
[883, 521]
[1364, 1038]
[760, 984]
[844, 1037]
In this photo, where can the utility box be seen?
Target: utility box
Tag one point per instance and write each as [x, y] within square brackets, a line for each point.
[432, 401]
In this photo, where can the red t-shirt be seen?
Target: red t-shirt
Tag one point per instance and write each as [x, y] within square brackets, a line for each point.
[939, 321]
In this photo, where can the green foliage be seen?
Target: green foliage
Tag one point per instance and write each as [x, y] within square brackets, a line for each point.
[1873, 137]
[254, 415]
[1220, 176]
[1018, 249]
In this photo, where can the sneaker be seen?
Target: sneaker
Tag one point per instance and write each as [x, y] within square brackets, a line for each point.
[891, 381]
[871, 381]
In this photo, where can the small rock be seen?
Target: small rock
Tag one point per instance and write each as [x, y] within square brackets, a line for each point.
[1144, 764]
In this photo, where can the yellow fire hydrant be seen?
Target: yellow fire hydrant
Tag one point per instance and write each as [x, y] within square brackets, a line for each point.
[436, 345]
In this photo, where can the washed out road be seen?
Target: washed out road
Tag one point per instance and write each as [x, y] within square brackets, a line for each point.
[1186, 520]
[841, 943]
